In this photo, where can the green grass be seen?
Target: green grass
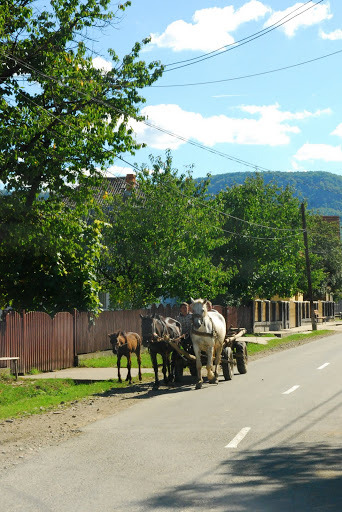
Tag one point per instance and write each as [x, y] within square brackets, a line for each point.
[25, 397]
[111, 361]
[253, 348]
[258, 335]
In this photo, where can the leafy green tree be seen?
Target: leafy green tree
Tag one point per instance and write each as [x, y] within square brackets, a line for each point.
[49, 259]
[264, 242]
[326, 255]
[62, 121]
[161, 240]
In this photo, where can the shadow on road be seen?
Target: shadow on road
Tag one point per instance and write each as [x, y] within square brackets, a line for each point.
[300, 478]
[146, 390]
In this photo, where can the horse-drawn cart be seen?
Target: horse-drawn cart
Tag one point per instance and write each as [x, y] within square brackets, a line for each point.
[234, 351]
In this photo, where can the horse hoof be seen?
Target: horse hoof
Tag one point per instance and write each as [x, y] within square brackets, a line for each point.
[198, 385]
[213, 381]
[156, 386]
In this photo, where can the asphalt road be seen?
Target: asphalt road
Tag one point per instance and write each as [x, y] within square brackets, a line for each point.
[270, 440]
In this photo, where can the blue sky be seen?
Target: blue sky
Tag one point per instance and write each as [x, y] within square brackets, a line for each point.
[290, 120]
[287, 120]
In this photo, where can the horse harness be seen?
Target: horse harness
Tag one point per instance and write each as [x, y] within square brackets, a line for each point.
[212, 334]
[165, 336]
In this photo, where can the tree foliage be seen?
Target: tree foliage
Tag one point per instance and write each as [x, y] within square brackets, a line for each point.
[62, 121]
[326, 255]
[322, 191]
[49, 259]
[264, 243]
[161, 240]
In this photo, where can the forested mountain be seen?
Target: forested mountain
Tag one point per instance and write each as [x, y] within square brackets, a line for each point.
[321, 190]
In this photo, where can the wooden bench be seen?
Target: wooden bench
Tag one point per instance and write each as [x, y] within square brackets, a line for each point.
[15, 360]
[318, 318]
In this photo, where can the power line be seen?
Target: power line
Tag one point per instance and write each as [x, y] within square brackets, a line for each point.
[183, 195]
[248, 76]
[243, 41]
[215, 81]
[147, 123]
[236, 42]
[223, 213]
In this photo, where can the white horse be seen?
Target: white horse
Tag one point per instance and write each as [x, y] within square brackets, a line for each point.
[207, 335]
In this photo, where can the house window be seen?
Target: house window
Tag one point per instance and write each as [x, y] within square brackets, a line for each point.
[267, 311]
[259, 311]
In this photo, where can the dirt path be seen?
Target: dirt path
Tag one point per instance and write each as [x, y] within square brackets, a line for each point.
[23, 437]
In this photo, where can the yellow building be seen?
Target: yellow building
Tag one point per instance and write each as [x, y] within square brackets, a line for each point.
[285, 313]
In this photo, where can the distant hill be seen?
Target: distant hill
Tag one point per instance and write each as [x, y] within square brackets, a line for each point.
[321, 190]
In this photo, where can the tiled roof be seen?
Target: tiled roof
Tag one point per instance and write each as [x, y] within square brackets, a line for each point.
[110, 187]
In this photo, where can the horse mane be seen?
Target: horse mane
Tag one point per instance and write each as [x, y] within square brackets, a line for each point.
[123, 334]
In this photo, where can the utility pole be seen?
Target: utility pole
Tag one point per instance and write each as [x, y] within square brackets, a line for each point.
[308, 270]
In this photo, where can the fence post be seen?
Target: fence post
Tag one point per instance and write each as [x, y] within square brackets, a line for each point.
[24, 340]
[75, 337]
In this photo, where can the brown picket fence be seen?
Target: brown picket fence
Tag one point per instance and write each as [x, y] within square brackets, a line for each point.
[52, 343]
[38, 340]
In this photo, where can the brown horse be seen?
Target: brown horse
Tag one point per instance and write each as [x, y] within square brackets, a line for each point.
[124, 344]
[157, 331]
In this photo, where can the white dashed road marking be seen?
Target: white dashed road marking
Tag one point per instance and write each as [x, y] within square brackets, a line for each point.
[238, 438]
[323, 366]
[290, 390]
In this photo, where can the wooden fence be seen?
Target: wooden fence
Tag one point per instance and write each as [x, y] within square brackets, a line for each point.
[38, 340]
[49, 344]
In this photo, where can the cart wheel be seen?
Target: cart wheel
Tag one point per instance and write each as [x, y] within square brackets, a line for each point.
[228, 367]
[178, 370]
[241, 356]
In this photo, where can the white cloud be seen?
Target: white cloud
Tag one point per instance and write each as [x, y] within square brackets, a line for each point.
[100, 63]
[319, 152]
[266, 125]
[333, 36]
[210, 28]
[296, 167]
[308, 17]
[272, 111]
[116, 170]
[338, 130]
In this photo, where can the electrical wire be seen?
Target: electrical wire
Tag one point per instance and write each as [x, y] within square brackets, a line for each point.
[43, 108]
[240, 40]
[221, 229]
[192, 84]
[105, 103]
[248, 76]
[219, 211]
[242, 235]
[144, 121]
[236, 45]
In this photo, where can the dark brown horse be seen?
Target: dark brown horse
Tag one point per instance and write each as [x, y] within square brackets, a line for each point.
[124, 344]
[156, 331]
